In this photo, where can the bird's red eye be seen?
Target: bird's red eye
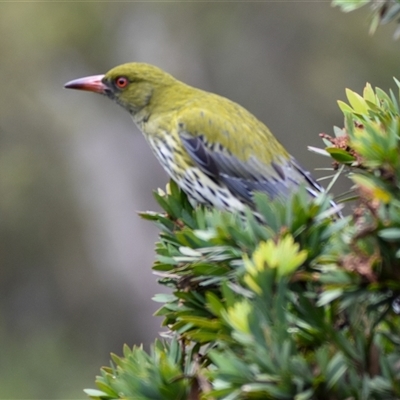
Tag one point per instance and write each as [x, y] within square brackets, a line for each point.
[121, 82]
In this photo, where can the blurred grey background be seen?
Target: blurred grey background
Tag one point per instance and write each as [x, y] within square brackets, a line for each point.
[75, 274]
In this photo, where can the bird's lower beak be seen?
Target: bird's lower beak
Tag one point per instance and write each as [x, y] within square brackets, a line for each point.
[90, 83]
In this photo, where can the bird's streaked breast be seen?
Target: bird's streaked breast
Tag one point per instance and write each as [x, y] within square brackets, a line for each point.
[198, 186]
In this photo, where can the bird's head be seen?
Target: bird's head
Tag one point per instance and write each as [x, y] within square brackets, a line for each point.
[132, 85]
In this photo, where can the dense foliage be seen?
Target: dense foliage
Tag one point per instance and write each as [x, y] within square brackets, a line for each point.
[305, 306]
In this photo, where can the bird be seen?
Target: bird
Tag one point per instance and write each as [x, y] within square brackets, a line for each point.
[216, 151]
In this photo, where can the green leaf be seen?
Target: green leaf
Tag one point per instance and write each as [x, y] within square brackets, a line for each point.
[163, 298]
[213, 324]
[161, 200]
[340, 155]
[344, 107]
[97, 394]
[336, 369]
[390, 234]
[174, 189]
[328, 296]
[349, 5]
[214, 304]
[369, 94]
[306, 395]
[357, 102]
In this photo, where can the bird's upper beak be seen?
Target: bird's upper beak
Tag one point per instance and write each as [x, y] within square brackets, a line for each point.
[91, 83]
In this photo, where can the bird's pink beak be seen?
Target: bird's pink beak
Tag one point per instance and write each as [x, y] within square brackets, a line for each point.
[89, 83]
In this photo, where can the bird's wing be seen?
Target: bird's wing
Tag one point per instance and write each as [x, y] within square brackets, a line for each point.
[242, 177]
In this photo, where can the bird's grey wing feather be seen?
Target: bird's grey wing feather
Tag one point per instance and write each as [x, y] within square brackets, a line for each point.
[242, 178]
[313, 187]
[200, 155]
